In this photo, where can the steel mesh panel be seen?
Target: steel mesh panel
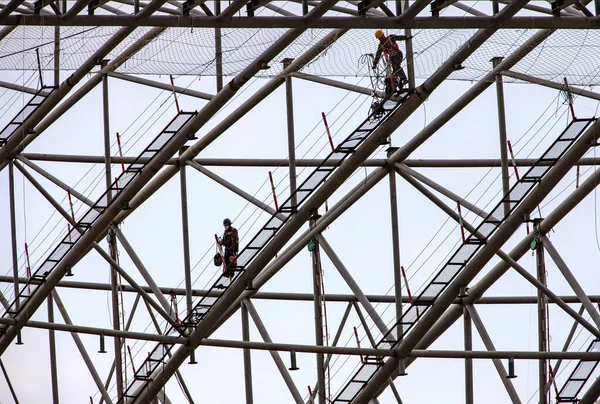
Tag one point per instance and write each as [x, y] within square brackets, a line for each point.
[334, 158]
[274, 222]
[574, 130]
[537, 171]
[433, 290]
[519, 191]
[46, 267]
[486, 228]
[223, 282]
[447, 273]
[8, 130]
[159, 142]
[245, 256]
[595, 347]
[261, 239]
[178, 123]
[147, 155]
[464, 252]
[350, 143]
[60, 251]
[90, 216]
[365, 373]
[584, 369]
[370, 124]
[571, 388]
[301, 195]
[498, 212]
[37, 99]
[135, 385]
[350, 391]
[315, 179]
[125, 178]
[159, 352]
[102, 202]
[137, 166]
[558, 149]
[24, 114]
[410, 316]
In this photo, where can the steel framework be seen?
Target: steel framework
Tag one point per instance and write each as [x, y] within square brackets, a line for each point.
[163, 320]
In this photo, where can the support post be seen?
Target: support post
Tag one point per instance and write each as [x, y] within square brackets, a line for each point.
[502, 129]
[317, 290]
[396, 246]
[247, 355]
[489, 345]
[218, 50]
[112, 241]
[52, 346]
[410, 58]
[13, 231]
[542, 303]
[186, 245]
[276, 358]
[290, 127]
[81, 348]
[468, 330]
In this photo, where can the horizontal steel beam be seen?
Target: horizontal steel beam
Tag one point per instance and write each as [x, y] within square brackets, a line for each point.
[466, 22]
[233, 162]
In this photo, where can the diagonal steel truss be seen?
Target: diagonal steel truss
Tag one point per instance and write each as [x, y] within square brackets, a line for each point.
[278, 241]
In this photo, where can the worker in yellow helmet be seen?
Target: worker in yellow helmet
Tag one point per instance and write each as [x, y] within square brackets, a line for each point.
[393, 56]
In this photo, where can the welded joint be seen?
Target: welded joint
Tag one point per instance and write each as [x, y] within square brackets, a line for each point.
[423, 92]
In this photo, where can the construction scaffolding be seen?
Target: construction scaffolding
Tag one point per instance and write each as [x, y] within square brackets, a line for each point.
[102, 103]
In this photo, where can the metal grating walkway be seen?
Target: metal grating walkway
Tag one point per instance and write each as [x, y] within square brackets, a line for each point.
[92, 215]
[580, 375]
[462, 255]
[34, 103]
[145, 373]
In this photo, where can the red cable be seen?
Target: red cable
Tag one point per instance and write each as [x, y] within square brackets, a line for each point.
[120, 152]
[358, 344]
[273, 189]
[460, 219]
[174, 94]
[328, 132]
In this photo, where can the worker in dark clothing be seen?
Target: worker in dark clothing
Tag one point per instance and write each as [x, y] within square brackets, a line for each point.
[230, 241]
[396, 78]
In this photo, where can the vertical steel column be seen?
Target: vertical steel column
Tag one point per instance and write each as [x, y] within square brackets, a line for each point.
[218, 50]
[399, 7]
[50, 302]
[495, 7]
[502, 131]
[410, 63]
[52, 342]
[13, 230]
[290, 126]
[468, 361]
[395, 244]
[247, 355]
[316, 265]
[56, 56]
[112, 240]
[542, 303]
[186, 243]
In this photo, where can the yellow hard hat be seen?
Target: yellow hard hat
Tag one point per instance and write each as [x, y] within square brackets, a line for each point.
[378, 34]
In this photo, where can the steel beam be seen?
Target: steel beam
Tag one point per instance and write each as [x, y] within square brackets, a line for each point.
[551, 84]
[86, 358]
[433, 23]
[276, 358]
[353, 285]
[162, 86]
[489, 345]
[243, 162]
[396, 249]
[542, 317]
[564, 269]
[247, 355]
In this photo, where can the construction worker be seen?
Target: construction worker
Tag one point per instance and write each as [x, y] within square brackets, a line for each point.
[396, 78]
[230, 241]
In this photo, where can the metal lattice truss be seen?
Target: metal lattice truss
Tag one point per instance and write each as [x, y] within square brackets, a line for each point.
[551, 44]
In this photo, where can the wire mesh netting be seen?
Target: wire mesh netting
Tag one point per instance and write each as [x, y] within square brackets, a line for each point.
[190, 51]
